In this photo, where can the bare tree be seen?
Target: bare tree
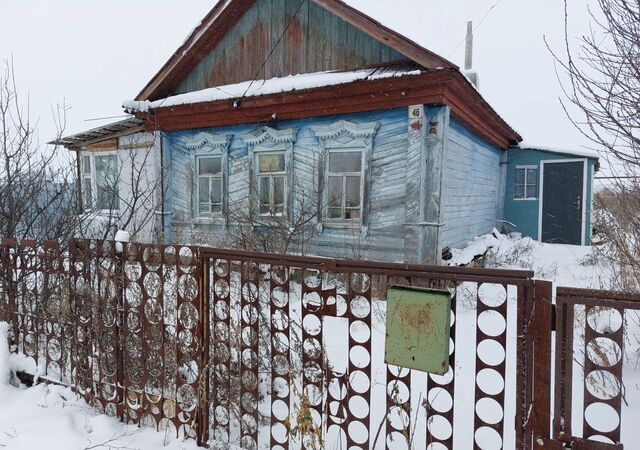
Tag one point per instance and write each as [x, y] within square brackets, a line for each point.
[602, 99]
[37, 187]
[128, 193]
[260, 227]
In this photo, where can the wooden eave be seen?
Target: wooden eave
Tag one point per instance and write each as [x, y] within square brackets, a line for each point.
[440, 87]
[227, 13]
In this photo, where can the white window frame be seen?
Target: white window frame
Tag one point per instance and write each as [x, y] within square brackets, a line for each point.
[210, 177]
[344, 176]
[208, 145]
[93, 177]
[265, 141]
[527, 183]
[271, 175]
[346, 136]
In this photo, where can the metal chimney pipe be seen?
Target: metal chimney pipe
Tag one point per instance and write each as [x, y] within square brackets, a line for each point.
[468, 54]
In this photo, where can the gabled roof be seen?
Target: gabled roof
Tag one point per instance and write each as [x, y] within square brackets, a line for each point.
[227, 13]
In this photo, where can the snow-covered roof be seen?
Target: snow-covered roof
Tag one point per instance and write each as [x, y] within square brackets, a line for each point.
[574, 152]
[273, 86]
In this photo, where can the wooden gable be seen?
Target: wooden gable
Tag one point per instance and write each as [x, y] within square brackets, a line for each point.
[315, 40]
[238, 37]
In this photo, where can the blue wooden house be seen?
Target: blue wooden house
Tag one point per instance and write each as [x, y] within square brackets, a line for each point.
[275, 107]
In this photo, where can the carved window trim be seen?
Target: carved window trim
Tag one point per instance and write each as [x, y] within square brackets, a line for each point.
[202, 145]
[347, 136]
[263, 141]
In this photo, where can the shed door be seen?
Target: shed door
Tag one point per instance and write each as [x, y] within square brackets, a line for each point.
[562, 196]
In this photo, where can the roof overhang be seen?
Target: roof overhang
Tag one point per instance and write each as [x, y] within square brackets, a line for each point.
[100, 134]
[226, 13]
[438, 87]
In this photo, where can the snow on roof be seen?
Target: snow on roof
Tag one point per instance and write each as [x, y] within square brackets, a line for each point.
[272, 86]
[575, 152]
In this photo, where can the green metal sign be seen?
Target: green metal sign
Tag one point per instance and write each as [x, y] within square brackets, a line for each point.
[418, 329]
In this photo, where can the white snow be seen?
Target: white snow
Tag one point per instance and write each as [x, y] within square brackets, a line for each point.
[265, 87]
[4, 355]
[53, 418]
[565, 265]
[120, 238]
[571, 152]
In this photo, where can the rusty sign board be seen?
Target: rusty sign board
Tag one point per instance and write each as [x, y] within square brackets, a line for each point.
[418, 329]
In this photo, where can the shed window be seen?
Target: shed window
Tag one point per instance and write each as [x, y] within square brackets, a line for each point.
[526, 183]
[210, 186]
[272, 183]
[344, 185]
[100, 182]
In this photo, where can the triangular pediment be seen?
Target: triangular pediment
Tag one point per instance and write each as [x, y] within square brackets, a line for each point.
[242, 40]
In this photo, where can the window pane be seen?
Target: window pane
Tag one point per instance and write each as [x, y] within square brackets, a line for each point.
[345, 161]
[519, 192]
[532, 191]
[353, 192]
[216, 191]
[203, 190]
[335, 191]
[278, 191]
[209, 166]
[106, 170]
[264, 190]
[107, 198]
[271, 163]
[87, 198]
[520, 176]
[353, 213]
[334, 213]
[86, 165]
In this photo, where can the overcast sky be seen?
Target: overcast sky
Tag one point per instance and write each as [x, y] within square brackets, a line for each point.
[94, 55]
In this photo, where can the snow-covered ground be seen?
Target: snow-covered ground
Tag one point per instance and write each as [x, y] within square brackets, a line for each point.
[53, 418]
[564, 265]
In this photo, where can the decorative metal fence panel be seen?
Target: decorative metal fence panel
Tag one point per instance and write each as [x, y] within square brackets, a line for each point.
[597, 334]
[297, 357]
[118, 322]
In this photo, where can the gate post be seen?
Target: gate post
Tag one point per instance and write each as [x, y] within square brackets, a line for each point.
[202, 430]
[541, 329]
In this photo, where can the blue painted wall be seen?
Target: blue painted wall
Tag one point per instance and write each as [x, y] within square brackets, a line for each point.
[525, 213]
[472, 187]
[384, 239]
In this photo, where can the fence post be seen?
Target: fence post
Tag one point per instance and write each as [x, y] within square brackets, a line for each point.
[119, 325]
[203, 388]
[541, 329]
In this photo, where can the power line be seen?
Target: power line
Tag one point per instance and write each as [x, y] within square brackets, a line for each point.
[455, 33]
[476, 27]
[273, 49]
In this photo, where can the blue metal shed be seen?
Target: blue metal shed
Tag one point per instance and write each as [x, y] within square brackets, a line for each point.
[549, 193]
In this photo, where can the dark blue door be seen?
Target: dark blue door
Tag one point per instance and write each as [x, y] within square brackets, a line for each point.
[563, 187]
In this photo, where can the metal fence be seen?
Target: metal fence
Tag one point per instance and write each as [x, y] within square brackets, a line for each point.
[594, 328]
[282, 352]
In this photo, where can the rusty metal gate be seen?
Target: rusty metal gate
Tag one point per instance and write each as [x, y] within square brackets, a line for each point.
[275, 381]
[592, 330]
[285, 352]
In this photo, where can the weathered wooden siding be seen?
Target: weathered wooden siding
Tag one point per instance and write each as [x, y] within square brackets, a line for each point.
[316, 40]
[385, 237]
[472, 187]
